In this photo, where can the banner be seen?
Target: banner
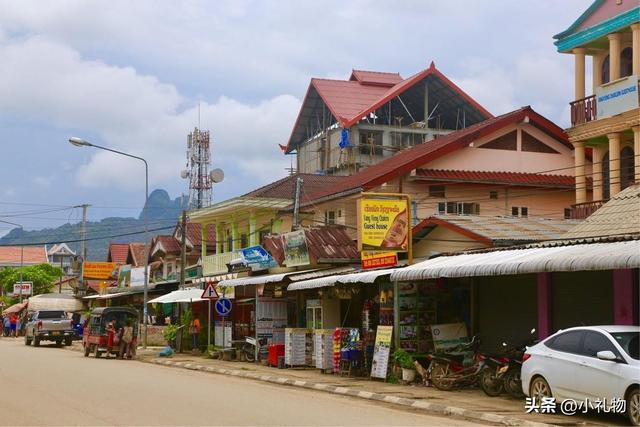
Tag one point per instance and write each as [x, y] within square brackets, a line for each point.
[617, 97]
[384, 223]
[99, 270]
[375, 259]
[296, 252]
[27, 289]
[257, 258]
[137, 276]
[124, 276]
[380, 361]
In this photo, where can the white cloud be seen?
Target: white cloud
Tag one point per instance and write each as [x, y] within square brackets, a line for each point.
[42, 182]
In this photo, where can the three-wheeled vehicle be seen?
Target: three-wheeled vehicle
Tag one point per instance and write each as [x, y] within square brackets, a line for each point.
[96, 335]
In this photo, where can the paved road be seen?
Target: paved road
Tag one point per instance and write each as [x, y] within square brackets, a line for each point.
[52, 386]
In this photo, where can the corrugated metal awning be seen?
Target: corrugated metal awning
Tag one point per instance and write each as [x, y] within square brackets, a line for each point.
[362, 277]
[595, 256]
[181, 295]
[259, 280]
[110, 296]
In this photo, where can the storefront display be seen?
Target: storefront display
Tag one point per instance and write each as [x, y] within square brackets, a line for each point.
[381, 352]
[272, 319]
[417, 305]
[298, 347]
[219, 334]
[323, 348]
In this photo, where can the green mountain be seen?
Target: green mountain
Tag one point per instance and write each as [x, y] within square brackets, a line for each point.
[163, 214]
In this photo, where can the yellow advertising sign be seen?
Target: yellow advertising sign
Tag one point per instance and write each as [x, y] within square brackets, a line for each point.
[384, 223]
[99, 270]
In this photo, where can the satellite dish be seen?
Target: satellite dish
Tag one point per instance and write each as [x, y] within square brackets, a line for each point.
[184, 174]
[216, 175]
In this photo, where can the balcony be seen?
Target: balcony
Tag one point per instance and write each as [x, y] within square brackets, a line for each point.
[217, 264]
[583, 210]
[584, 110]
[611, 99]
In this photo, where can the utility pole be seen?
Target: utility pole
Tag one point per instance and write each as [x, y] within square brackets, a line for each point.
[183, 248]
[296, 204]
[83, 249]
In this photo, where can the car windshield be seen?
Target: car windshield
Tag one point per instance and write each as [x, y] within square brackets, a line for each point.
[51, 315]
[629, 341]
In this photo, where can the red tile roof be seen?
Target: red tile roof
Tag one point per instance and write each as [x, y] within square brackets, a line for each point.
[285, 188]
[194, 235]
[118, 253]
[420, 155]
[324, 244]
[10, 255]
[350, 100]
[136, 251]
[170, 244]
[494, 177]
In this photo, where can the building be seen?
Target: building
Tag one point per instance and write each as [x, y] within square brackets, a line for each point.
[15, 256]
[60, 255]
[346, 125]
[605, 125]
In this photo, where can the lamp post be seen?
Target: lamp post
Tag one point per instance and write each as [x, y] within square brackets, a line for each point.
[79, 142]
[21, 254]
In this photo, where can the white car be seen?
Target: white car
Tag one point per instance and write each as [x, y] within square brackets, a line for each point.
[586, 364]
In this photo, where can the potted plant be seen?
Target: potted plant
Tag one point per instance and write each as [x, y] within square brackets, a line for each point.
[169, 333]
[406, 362]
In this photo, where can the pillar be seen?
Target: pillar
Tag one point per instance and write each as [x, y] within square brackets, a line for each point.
[581, 181]
[545, 308]
[636, 152]
[235, 237]
[598, 177]
[219, 238]
[625, 298]
[635, 28]
[253, 237]
[578, 55]
[614, 164]
[614, 56]
[596, 70]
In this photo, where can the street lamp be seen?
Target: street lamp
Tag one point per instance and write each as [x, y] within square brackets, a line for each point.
[21, 254]
[79, 142]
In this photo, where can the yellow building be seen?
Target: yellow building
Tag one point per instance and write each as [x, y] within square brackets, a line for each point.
[606, 124]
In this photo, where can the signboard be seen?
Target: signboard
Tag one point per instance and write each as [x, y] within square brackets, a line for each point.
[228, 292]
[99, 270]
[296, 252]
[124, 276]
[384, 222]
[375, 259]
[209, 292]
[617, 97]
[137, 276]
[27, 288]
[257, 258]
[223, 307]
[448, 335]
[380, 361]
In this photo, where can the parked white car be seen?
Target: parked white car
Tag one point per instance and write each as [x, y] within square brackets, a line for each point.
[586, 364]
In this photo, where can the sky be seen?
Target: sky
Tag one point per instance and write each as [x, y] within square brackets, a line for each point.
[139, 76]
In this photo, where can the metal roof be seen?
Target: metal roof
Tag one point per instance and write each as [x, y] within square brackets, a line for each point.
[181, 295]
[361, 277]
[595, 256]
[496, 177]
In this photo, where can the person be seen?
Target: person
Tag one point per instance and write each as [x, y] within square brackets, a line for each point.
[194, 331]
[111, 334]
[126, 340]
[18, 326]
[7, 326]
[13, 321]
[396, 236]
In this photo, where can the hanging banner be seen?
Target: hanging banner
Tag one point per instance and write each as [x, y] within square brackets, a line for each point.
[137, 276]
[384, 223]
[124, 276]
[100, 270]
[375, 259]
[257, 258]
[380, 361]
[617, 97]
[296, 252]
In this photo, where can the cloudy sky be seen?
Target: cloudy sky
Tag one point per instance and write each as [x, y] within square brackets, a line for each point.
[130, 75]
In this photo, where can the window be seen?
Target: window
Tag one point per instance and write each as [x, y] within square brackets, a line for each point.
[229, 242]
[604, 70]
[514, 211]
[371, 143]
[626, 64]
[458, 208]
[329, 217]
[243, 240]
[567, 213]
[414, 212]
[569, 342]
[436, 191]
[524, 212]
[595, 342]
[493, 195]
[629, 341]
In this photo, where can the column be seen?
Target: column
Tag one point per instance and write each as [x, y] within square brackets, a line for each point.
[636, 152]
[578, 55]
[545, 307]
[219, 238]
[598, 178]
[624, 299]
[636, 49]
[253, 237]
[235, 237]
[596, 72]
[614, 164]
[614, 56]
[581, 181]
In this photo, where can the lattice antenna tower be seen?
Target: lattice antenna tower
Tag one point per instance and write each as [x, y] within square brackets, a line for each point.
[197, 172]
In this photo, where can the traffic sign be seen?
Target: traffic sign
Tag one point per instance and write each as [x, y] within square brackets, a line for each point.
[209, 292]
[223, 306]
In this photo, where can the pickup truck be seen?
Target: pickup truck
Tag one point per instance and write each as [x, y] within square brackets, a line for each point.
[49, 325]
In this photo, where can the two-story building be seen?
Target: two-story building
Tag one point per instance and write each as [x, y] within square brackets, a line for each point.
[605, 124]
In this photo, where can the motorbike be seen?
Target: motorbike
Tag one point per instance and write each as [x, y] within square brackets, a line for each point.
[491, 376]
[249, 348]
[458, 367]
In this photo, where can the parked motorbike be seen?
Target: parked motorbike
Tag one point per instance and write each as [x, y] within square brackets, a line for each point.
[458, 367]
[491, 376]
[249, 348]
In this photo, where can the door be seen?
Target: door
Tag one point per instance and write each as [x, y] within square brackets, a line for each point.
[559, 363]
[596, 378]
[314, 317]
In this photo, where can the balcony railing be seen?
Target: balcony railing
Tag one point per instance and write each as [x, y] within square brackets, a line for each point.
[217, 264]
[583, 110]
[583, 210]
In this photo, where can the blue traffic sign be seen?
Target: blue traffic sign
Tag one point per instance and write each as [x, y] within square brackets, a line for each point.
[223, 306]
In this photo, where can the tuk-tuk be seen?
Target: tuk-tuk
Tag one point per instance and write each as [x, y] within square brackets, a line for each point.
[96, 336]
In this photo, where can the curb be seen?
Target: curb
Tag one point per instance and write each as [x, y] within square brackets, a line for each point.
[432, 408]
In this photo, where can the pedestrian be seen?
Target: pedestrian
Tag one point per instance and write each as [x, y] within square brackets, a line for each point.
[7, 326]
[194, 331]
[126, 340]
[18, 326]
[13, 321]
[111, 335]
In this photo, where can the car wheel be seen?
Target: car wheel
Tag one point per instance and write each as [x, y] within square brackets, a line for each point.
[96, 351]
[27, 340]
[633, 406]
[68, 341]
[539, 389]
[36, 341]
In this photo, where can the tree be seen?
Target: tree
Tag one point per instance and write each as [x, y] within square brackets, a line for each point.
[43, 277]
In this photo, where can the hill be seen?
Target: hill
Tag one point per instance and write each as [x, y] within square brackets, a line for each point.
[163, 212]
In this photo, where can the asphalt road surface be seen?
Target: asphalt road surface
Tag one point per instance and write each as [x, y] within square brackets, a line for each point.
[53, 386]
